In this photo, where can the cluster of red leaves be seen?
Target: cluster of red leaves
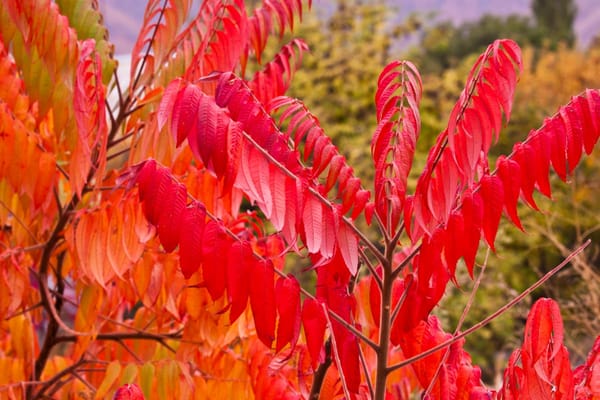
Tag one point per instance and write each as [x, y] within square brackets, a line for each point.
[541, 369]
[458, 200]
[461, 150]
[478, 215]
[235, 137]
[228, 263]
[399, 91]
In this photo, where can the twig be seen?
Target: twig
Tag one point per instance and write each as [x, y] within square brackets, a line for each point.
[57, 377]
[363, 362]
[401, 301]
[371, 268]
[120, 336]
[16, 217]
[461, 320]
[494, 315]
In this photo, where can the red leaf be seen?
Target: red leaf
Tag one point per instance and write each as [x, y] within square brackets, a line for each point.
[154, 183]
[492, 194]
[453, 248]
[546, 371]
[347, 347]
[271, 81]
[287, 293]
[314, 323]
[240, 265]
[348, 245]
[185, 109]
[397, 99]
[165, 108]
[277, 184]
[191, 238]
[590, 110]
[472, 216]
[540, 151]
[558, 146]
[289, 231]
[543, 329]
[215, 251]
[510, 175]
[169, 221]
[524, 155]
[330, 226]
[587, 376]
[313, 219]
[214, 136]
[375, 298]
[145, 178]
[573, 128]
[262, 301]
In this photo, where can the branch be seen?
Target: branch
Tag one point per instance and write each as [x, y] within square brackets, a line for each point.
[363, 362]
[401, 300]
[319, 374]
[120, 336]
[56, 378]
[371, 268]
[461, 320]
[405, 262]
[493, 316]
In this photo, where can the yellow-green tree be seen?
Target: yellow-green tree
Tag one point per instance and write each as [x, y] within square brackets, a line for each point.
[338, 78]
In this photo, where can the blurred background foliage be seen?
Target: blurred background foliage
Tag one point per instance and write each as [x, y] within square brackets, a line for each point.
[350, 46]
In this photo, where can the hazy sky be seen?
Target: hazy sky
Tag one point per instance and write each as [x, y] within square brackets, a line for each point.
[124, 17]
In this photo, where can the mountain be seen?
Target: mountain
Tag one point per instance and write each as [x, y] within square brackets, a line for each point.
[124, 18]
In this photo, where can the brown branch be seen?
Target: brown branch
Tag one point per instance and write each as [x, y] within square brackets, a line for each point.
[120, 336]
[370, 267]
[319, 374]
[56, 378]
[405, 262]
[363, 362]
[385, 322]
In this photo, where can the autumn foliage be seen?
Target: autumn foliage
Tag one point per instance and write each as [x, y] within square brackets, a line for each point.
[144, 243]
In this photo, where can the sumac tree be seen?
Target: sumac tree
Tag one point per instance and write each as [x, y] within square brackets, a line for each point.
[129, 267]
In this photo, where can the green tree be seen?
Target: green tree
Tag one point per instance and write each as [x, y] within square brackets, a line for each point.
[555, 19]
[445, 45]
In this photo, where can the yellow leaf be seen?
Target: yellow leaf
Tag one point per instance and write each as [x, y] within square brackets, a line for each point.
[112, 373]
[129, 374]
[146, 379]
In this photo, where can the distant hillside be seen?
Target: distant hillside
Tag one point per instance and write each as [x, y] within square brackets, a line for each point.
[124, 18]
